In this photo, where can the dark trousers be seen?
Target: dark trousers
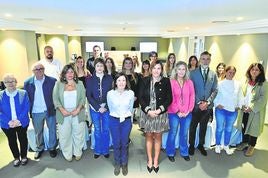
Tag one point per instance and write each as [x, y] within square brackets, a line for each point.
[247, 138]
[12, 135]
[201, 118]
[120, 135]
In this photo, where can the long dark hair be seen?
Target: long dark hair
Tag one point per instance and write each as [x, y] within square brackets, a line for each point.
[113, 65]
[189, 61]
[64, 71]
[261, 77]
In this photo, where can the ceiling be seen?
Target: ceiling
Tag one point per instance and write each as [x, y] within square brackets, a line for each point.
[170, 18]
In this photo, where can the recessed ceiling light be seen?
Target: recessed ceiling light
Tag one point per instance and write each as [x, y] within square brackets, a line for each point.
[220, 21]
[59, 26]
[8, 15]
[3, 29]
[187, 28]
[239, 18]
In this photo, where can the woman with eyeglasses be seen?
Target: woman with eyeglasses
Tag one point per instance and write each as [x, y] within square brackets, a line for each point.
[14, 119]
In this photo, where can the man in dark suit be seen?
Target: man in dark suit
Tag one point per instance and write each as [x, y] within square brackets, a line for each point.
[40, 89]
[90, 61]
[205, 84]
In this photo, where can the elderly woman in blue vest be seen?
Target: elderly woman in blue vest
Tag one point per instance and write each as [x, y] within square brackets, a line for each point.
[14, 119]
[252, 116]
[69, 100]
[120, 102]
[97, 88]
[155, 97]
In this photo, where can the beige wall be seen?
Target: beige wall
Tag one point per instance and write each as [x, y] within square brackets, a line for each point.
[238, 50]
[179, 46]
[60, 47]
[18, 50]
[74, 45]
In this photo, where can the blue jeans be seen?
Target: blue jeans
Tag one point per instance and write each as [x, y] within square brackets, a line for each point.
[174, 121]
[225, 121]
[38, 120]
[101, 132]
[120, 135]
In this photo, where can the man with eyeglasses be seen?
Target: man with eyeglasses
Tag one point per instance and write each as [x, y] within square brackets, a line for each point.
[40, 89]
[53, 66]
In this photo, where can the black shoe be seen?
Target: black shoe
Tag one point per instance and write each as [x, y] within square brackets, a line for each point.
[202, 150]
[24, 161]
[116, 170]
[53, 153]
[156, 169]
[150, 169]
[186, 158]
[107, 155]
[124, 170]
[96, 156]
[171, 158]
[191, 150]
[38, 154]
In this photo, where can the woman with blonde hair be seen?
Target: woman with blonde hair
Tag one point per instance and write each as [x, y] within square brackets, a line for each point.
[180, 110]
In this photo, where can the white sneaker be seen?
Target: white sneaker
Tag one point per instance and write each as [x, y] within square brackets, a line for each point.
[228, 150]
[218, 149]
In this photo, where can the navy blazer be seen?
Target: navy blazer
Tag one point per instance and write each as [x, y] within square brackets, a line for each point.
[204, 90]
[48, 86]
[93, 92]
[162, 91]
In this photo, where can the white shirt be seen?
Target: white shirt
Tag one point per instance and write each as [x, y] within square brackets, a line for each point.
[248, 96]
[52, 69]
[120, 104]
[12, 104]
[39, 104]
[229, 95]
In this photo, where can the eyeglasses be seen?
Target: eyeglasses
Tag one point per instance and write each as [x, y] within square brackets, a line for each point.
[39, 69]
[9, 82]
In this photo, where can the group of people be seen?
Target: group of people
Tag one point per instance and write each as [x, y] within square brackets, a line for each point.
[165, 98]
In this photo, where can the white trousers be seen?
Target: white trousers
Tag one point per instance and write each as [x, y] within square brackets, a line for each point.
[71, 137]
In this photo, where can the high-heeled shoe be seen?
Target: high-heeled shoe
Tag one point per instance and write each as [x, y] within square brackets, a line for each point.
[150, 169]
[156, 169]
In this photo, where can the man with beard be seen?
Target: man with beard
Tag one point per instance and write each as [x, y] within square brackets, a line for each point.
[53, 66]
[205, 84]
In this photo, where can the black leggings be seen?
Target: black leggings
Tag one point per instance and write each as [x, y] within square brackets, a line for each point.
[12, 135]
[247, 138]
